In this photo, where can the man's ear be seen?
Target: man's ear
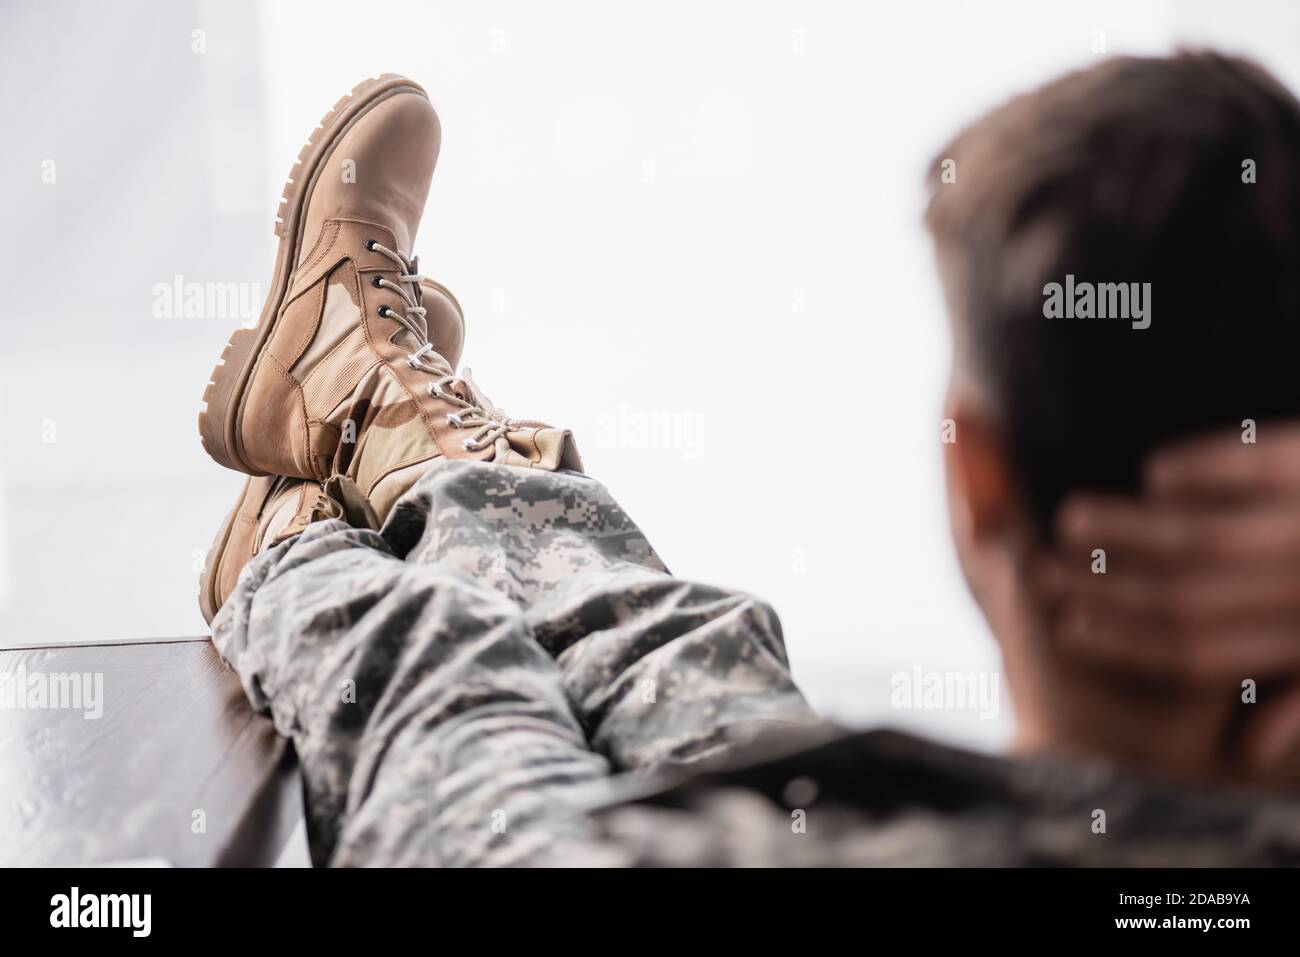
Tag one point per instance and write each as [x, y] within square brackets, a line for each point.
[980, 489]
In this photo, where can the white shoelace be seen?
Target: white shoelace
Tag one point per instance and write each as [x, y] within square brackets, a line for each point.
[474, 409]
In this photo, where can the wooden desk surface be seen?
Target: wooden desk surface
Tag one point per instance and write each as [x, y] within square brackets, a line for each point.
[177, 767]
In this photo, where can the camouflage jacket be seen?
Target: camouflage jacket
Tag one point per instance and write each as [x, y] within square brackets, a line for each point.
[882, 798]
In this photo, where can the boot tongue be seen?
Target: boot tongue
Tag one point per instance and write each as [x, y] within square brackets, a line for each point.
[433, 361]
[408, 341]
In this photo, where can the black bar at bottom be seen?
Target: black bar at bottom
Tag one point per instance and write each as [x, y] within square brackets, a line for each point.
[216, 907]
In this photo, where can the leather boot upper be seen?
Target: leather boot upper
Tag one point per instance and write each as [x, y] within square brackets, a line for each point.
[378, 172]
[270, 509]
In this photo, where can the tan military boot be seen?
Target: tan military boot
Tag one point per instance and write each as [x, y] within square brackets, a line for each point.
[342, 346]
[271, 509]
[268, 511]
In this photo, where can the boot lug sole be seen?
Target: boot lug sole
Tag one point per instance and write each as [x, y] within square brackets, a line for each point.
[209, 601]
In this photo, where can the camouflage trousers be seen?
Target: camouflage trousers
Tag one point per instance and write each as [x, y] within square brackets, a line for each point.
[462, 683]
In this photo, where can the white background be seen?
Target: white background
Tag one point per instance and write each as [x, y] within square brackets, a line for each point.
[703, 214]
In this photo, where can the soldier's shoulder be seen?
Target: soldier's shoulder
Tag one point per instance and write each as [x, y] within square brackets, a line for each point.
[823, 795]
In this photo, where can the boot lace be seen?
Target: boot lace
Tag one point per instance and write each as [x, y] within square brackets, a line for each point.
[473, 409]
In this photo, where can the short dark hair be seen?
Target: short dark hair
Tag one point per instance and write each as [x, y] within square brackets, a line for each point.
[1132, 171]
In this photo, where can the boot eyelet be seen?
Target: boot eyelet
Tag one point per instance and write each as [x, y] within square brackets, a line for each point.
[433, 389]
[383, 312]
[454, 420]
[376, 280]
[370, 244]
[469, 446]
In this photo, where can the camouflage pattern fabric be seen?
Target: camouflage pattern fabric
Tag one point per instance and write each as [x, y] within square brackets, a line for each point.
[506, 674]
[459, 684]
[883, 798]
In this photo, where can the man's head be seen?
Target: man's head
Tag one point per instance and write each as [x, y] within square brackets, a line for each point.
[1120, 254]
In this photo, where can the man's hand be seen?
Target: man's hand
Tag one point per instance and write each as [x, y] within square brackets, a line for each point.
[1202, 580]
